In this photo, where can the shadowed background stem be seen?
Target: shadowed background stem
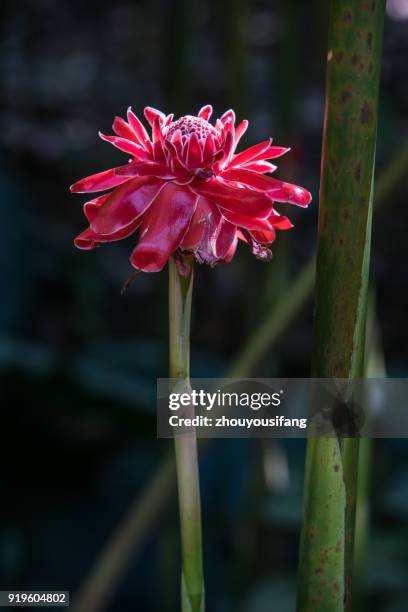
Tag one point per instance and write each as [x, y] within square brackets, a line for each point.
[374, 368]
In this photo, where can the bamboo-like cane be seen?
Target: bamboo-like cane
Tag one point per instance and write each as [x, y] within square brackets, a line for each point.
[347, 175]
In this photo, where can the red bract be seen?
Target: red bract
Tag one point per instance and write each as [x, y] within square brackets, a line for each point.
[186, 190]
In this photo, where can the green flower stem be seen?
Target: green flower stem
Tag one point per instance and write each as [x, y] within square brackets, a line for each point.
[353, 71]
[192, 583]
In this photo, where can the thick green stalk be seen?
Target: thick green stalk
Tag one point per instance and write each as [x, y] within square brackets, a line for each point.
[353, 70]
[192, 581]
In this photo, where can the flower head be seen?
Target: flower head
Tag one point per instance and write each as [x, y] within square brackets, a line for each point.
[187, 191]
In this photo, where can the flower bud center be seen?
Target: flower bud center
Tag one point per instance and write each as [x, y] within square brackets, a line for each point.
[189, 125]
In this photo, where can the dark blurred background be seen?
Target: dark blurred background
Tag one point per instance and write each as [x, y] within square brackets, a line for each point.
[79, 362]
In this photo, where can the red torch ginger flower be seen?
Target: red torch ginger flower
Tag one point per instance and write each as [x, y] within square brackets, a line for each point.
[187, 191]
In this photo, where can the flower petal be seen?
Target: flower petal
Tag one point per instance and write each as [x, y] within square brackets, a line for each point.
[145, 169]
[228, 115]
[158, 142]
[197, 228]
[128, 146]
[98, 182]
[225, 237]
[151, 113]
[126, 204]
[206, 251]
[177, 139]
[91, 208]
[123, 129]
[229, 144]
[240, 131]
[249, 223]
[264, 237]
[168, 120]
[280, 222]
[250, 178]
[260, 166]
[205, 112]
[193, 157]
[272, 153]
[292, 194]
[250, 153]
[163, 227]
[231, 251]
[88, 239]
[209, 148]
[176, 164]
[210, 237]
[236, 199]
[139, 129]
[279, 191]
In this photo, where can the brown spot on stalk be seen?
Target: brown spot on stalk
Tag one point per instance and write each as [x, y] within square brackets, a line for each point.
[347, 17]
[336, 467]
[366, 114]
[338, 543]
[333, 165]
[336, 586]
[339, 56]
[355, 59]
[370, 40]
[345, 95]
